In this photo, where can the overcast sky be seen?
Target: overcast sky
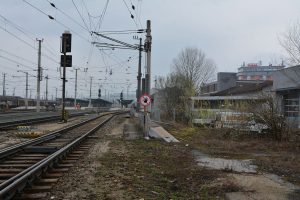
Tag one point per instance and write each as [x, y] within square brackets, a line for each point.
[228, 31]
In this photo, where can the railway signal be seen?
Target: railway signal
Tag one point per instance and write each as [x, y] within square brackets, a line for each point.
[66, 42]
[65, 61]
[121, 96]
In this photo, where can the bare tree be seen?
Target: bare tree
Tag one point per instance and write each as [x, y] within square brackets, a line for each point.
[174, 93]
[267, 112]
[192, 64]
[190, 69]
[290, 41]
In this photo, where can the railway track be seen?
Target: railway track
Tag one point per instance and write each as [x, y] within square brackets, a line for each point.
[19, 122]
[28, 170]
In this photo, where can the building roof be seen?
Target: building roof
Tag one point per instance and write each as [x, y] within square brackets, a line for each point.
[225, 97]
[243, 87]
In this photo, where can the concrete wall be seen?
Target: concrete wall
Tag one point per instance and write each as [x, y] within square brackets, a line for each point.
[287, 78]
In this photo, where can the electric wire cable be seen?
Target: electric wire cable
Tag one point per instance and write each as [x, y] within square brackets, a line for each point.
[57, 21]
[131, 15]
[80, 15]
[68, 16]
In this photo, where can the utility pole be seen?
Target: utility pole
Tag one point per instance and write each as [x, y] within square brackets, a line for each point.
[147, 47]
[3, 94]
[63, 119]
[148, 53]
[46, 87]
[75, 96]
[90, 102]
[138, 95]
[55, 93]
[26, 94]
[39, 78]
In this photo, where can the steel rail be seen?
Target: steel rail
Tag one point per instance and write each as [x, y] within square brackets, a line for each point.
[19, 147]
[7, 125]
[34, 172]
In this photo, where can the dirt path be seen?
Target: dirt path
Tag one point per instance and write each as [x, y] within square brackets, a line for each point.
[261, 187]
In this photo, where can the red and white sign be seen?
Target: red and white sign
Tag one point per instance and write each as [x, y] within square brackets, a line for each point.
[145, 100]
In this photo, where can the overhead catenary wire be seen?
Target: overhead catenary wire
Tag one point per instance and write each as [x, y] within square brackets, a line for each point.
[97, 28]
[136, 13]
[23, 41]
[80, 16]
[18, 63]
[131, 15]
[57, 21]
[27, 33]
[91, 25]
[16, 56]
[68, 16]
[28, 44]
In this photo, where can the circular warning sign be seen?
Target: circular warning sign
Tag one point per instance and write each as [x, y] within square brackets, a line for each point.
[145, 100]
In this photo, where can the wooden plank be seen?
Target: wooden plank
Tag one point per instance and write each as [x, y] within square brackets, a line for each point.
[54, 175]
[68, 161]
[39, 188]
[15, 165]
[59, 170]
[10, 170]
[32, 196]
[65, 165]
[47, 181]
[7, 175]
[19, 161]
[27, 158]
[33, 155]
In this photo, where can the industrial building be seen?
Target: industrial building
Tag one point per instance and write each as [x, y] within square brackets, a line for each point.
[283, 84]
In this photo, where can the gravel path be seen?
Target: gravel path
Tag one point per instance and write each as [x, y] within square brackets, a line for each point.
[82, 182]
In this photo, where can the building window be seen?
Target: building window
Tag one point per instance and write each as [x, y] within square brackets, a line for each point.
[291, 105]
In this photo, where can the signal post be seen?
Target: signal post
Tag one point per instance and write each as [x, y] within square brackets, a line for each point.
[65, 61]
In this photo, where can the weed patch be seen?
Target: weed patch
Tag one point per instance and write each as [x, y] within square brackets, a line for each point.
[156, 170]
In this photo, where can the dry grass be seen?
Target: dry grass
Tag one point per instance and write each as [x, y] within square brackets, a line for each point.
[282, 158]
[156, 170]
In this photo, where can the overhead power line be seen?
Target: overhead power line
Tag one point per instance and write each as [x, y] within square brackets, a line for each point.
[27, 35]
[80, 16]
[68, 16]
[21, 58]
[57, 21]
[18, 63]
[131, 15]
[117, 41]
